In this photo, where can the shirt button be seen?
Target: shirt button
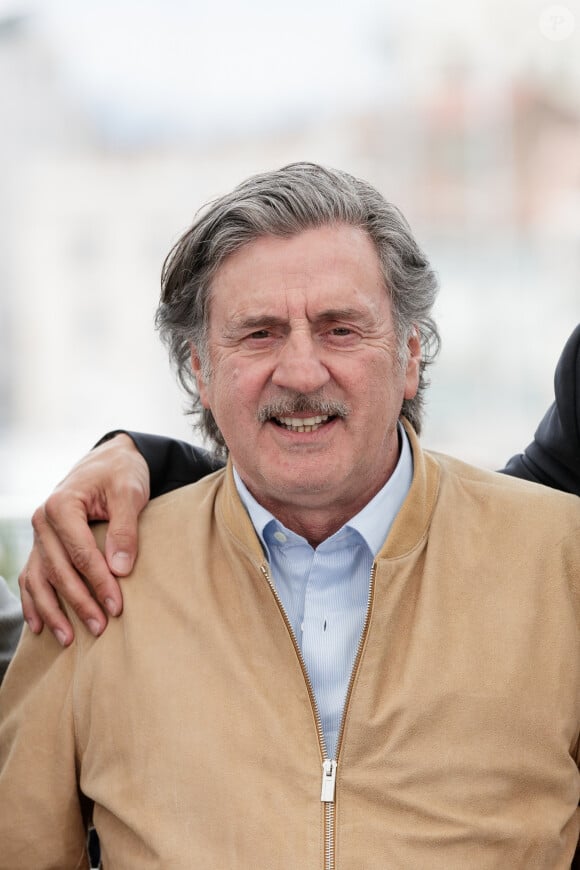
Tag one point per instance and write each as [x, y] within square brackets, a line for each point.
[280, 536]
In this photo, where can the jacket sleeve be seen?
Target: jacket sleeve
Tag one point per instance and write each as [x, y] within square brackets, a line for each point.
[553, 457]
[171, 463]
[43, 815]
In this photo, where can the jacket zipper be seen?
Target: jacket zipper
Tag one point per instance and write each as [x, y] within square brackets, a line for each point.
[329, 765]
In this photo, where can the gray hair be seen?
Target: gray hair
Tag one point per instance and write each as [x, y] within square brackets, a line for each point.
[284, 203]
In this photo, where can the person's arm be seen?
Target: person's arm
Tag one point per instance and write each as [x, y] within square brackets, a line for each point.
[171, 463]
[553, 457]
[110, 483]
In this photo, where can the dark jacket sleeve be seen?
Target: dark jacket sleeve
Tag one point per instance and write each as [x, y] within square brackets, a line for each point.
[171, 463]
[553, 457]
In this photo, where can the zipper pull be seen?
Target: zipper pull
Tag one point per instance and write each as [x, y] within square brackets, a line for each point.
[328, 780]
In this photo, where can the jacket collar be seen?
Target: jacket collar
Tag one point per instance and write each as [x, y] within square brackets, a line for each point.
[413, 520]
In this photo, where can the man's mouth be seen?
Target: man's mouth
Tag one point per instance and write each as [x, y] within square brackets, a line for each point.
[302, 424]
[301, 413]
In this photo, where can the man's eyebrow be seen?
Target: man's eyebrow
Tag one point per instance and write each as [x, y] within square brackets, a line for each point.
[359, 316]
[347, 313]
[269, 321]
[259, 321]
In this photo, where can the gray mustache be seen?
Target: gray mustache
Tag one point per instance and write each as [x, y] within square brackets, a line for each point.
[302, 404]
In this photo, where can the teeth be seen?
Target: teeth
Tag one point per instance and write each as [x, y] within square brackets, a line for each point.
[304, 421]
[304, 424]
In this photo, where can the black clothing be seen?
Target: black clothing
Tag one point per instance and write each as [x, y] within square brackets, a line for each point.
[173, 463]
[553, 457]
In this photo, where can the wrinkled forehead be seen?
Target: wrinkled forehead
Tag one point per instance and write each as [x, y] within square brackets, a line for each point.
[326, 268]
[311, 251]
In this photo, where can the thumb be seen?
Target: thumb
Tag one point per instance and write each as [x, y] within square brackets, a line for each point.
[122, 538]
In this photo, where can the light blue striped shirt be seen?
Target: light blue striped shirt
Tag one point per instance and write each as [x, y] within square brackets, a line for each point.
[325, 591]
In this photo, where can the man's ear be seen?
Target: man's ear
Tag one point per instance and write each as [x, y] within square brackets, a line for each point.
[196, 367]
[413, 367]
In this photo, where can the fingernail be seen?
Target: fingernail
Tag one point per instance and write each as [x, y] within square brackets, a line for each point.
[111, 606]
[30, 625]
[60, 636]
[94, 626]
[121, 562]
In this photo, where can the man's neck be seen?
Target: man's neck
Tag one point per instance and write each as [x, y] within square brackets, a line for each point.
[317, 523]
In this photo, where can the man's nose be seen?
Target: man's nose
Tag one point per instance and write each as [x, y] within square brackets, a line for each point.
[299, 367]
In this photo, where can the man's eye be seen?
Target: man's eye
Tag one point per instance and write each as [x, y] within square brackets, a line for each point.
[260, 333]
[341, 330]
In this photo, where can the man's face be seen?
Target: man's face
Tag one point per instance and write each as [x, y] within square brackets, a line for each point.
[294, 324]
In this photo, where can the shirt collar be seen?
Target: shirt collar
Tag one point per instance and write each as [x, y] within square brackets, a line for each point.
[372, 523]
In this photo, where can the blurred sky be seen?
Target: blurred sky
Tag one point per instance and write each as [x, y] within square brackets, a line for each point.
[151, 68]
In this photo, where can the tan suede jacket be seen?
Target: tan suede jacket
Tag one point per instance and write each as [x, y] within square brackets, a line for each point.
[190, 727]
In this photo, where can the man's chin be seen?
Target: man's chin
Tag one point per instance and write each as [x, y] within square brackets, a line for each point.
[305, 488]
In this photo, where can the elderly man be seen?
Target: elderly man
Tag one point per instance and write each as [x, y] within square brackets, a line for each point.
[340, 651]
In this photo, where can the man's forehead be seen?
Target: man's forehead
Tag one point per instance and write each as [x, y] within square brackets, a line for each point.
[333, 240]
[273, 305]
[339, 257]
